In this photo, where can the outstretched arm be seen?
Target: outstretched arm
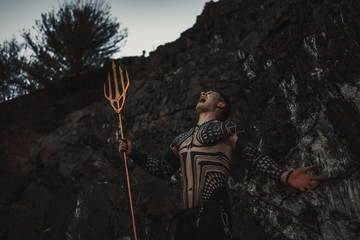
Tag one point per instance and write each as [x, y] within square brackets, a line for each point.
[298, 178]
[164, 167]
[256, 160]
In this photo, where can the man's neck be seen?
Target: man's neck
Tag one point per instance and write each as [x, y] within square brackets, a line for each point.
[206, 117]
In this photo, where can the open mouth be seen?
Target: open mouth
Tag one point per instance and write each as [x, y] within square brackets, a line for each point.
[202, 100]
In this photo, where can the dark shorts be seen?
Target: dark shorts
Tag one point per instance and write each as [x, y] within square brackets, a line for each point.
[208, 225]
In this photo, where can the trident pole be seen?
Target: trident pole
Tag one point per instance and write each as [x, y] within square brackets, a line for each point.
[117, 102]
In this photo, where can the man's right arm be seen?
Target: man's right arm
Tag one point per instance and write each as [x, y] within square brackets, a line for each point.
[164, 167]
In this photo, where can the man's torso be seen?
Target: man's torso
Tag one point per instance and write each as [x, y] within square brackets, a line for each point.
[206, 156]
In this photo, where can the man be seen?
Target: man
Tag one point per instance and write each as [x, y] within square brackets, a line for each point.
[206, 154]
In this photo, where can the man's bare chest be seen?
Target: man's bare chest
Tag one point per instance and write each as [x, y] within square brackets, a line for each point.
[205, 135]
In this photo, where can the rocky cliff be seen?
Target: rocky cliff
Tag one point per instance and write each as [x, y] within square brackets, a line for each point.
[291, 70]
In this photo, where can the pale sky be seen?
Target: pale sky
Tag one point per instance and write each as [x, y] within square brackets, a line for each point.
[150, 23]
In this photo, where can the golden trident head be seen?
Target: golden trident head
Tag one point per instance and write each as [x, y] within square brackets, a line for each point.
[119, 99]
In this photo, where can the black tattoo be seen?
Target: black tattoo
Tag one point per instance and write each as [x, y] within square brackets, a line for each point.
[163, 168]
[205, 160]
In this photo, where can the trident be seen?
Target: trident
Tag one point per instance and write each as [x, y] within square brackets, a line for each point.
[119, 99]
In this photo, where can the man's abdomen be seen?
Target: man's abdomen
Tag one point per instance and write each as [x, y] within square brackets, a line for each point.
[203, 173]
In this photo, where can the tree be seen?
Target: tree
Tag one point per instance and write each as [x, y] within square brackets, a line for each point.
[12, 82]
[75, 40]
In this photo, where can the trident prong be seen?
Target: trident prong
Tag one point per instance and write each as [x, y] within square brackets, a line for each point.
[119, 99]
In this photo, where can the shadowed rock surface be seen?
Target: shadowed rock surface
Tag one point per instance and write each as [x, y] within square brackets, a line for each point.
[291, 70]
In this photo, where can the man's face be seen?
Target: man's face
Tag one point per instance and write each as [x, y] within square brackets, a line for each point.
[207, 101]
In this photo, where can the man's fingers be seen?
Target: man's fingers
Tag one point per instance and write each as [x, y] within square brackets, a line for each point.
[313, 185]
[318, 178]
[123, 142]
[308, 186]
[123, 145]
[309, 168]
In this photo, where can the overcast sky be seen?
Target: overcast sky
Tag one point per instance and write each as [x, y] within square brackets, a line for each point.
[150, 23]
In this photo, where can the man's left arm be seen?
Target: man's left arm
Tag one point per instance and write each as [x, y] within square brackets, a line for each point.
[246, 151]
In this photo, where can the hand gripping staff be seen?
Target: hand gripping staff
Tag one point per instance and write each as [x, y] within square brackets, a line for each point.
[117, 104]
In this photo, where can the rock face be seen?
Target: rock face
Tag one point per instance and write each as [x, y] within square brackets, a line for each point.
[291, 70]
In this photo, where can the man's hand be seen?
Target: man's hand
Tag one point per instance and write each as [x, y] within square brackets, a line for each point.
[125, 146]
[301, 180]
